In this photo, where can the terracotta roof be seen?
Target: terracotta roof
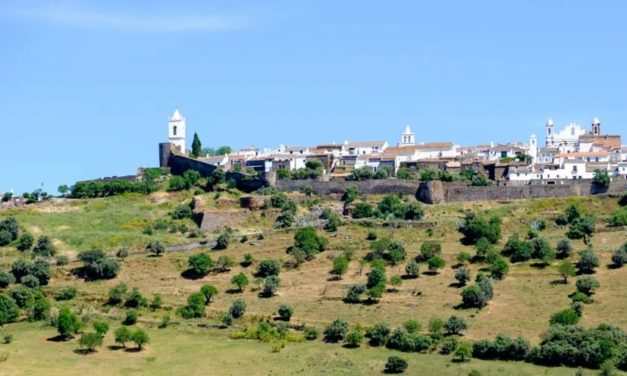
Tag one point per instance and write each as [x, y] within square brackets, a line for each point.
[583, 154]
[365, 144]
[435, 146]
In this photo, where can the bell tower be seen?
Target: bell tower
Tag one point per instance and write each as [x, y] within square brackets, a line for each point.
[596, 127]
[176, 131]
[550, 137]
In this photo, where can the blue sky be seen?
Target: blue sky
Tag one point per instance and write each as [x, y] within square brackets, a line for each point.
[86, 86]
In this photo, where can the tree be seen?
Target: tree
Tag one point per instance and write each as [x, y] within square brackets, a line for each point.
[566, 269]
[268, 267]
[396, 281]
[474, 297]
[618, 217]
[90, 341]
[155, 247]
[430, 249]
[435, 263]
[601, 178]
[223, 241]
[462, 275]
[362, 210]
[619, 257]
[582, 227]
[354, 338]
[499, 268]
[435, 327]
[353, 295]
[9, 311]
[44, 247]
[455, 325]
[238, 308]
[270, 285]
[464, 351]
[587, 285]
[475, 227]
[98, 265]
[200, 263]
[241, 281]
[395, 364]
[67, 323]
[350, 194]
[63, 189]
[225, 263]
[285, 312]
[335, 331]
[140, 338]
[196, 146]
[463, 258]
[6, 279]
[25, 242]
[135, 299]
[587, 261]
[412, 269]
[122, 335]
[101, 327]
[308, 240]
[564, 249]
[131, 317]
[340, 266]
[195, 307]
[208, 292]
[116, 294]
[30, 281]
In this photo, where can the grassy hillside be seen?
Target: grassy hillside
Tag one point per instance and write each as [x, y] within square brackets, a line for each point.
[522, 305]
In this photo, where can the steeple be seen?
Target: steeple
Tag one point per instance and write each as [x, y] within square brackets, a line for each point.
[596, 126]
[549, 132]
[407, 138]
[176, 131]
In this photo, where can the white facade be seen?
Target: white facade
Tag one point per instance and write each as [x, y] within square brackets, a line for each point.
[533, 148]
[408, 138]
[567, 140]
[176, 131]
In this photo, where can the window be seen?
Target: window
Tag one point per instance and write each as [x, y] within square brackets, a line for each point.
[572, 131]
[174, 131]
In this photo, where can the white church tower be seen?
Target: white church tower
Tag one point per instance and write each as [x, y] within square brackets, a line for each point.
[550, 133]
[533, 147]
[176, 131]
[407, 138]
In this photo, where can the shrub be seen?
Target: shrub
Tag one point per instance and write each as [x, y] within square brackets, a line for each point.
[9, 311]
[62, 260]
[97, 265]
[268, 267]
[462, 275]
[6, 279]
[564, 249]
[270, 286]
[140, 338]
[353, 294]
[225, 263]
[400, 340]
[464, 351]
[503, 348]
[155, 247]
[238, 308]
[44, 247]
[463, 257]
[340, 266]
[435, 263]
[566, 269]
[223, 241]
[9, 231]
[135, 300]
[101, 327]
[336, 331]
[499, 268]
[354, 338]
[116, 294]
[156, 302]
[430, 249]
[587, 261]
[455, 325]
[248, 260]
[208, 292]
[285, 312]
[67, 323]
[449, 345]
[308, 240]
[5, 238]
[25, 242]
[240, 280]
[122, 335]
[30, 281]
[90, 341]
[371, 236]
[412, 269]
[587, 285]
[350, 194]
[619, 257]
[195, 306]
[475, 227]
[581, 227]
[565, 317]
[395, 364]
[200, 263]
[182, 212]
[362, 210]
[379, 334]
[131, 317]
[310, 333]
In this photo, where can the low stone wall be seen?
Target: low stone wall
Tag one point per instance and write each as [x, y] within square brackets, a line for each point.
[435, 192]
[337, 186]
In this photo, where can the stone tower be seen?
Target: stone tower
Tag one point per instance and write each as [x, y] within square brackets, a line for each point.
[407, 138]
[596, 127]
[176, 131]
[550, 137]
[533, 147]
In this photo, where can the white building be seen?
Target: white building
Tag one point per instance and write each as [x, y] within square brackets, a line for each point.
[567, 139]
[176, 131]
[408, 138]
[365, 147]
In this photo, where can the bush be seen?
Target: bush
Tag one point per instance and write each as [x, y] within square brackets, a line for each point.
[9, 231]
[6, 279]
[564, 249]
[587, 261]
[97, 265]
[430, 249]
[195, 306]
[499, 268]
[131, 317]
[475, 227]
[44, 247]
[354, 338]
[462, 275]
[587, 285]
[412, 269]
[223, 241]
[238, 308]
[116, 294]
[268, 267]
[90, 341]
[565, 317]
[395, 364]
[435, 263]
[30, 281]
[449, 345]
[5, 238]
[581, 227]
[200, 263]
[308, 240]
[270, 286]
[208, 292]
[362, 210]
[310, 333]
[67, 323]
[122, 335]
[353, 294]
[9, 311]
[618, 217]
[182, 212]
[155, 247]
[140, 338]
[619, 257]
[248, 260]
[455, 325]
[62, 260]
[25, 242]
[464, 351]
[502, 348]
[285, 312]
[135, 300]
[371, 236]
[336, 331]
[241, 281]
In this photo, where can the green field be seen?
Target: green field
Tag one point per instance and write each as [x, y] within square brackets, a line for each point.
[522, 305]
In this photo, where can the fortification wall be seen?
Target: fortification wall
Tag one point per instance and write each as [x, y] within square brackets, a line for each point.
[338, 186]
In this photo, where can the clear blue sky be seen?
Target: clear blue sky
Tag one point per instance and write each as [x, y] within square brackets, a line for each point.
[86, 86]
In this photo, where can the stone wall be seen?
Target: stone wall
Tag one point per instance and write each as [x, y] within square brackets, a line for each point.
[337, 186]
[436, 192]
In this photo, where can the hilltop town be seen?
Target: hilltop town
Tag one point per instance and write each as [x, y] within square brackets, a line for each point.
[570, 153]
